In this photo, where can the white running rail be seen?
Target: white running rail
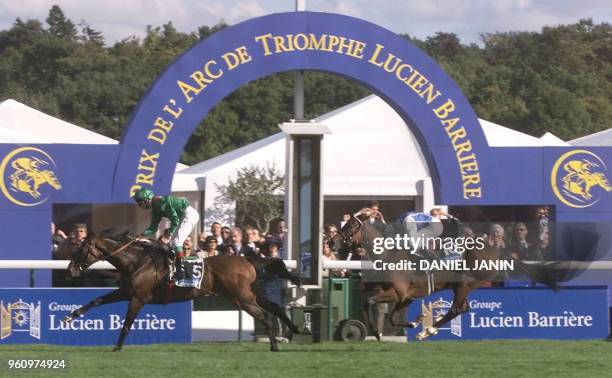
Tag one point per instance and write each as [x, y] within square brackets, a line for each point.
[292, 264]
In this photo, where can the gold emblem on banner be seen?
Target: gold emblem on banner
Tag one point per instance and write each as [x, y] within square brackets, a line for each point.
[578, 178]
[19, 317]
[28, 175]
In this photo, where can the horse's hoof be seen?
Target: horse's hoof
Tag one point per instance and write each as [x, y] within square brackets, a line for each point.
[421, 336]
[378, 336]
[432, 331]
[274, 349]
[67, 319]
[413, 325]
[116, 349]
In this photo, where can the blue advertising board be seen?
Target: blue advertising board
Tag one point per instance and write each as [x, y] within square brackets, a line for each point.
[34, 316]
[520, 313]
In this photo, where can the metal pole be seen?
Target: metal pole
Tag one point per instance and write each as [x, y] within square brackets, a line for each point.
[31, 277]
[298, 95]
[239, 325]
[298, 87]
[329, 305]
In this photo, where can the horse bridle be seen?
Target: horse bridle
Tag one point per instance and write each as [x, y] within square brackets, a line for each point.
[349, 239]
[105, 255]
[82, 265]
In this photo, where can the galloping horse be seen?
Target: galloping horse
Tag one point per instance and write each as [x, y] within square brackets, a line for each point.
[28, 177]
[142, 272]
[579, 180]
[403, 286]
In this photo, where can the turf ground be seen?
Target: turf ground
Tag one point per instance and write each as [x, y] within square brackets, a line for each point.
[352, 360]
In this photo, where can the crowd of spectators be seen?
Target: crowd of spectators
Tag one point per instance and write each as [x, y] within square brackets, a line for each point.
[226, 240]
[529, 240]
[524, 240]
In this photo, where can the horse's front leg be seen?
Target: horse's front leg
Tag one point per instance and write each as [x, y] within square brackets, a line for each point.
[134, 308]
[385, 296]
[399, 306]
[113, 296]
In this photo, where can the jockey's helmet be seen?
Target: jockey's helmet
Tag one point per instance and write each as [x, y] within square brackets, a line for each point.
[143, 197]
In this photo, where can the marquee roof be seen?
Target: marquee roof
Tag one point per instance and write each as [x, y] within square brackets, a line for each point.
[19, 122]
[602, 139]
[370, 151]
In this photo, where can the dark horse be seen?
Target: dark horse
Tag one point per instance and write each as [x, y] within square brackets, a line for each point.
[143, 270]
[403, 286]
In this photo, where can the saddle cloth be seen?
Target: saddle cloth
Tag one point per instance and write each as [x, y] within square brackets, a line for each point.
[189, 272]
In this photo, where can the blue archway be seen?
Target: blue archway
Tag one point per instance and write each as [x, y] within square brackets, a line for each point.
[412, 83]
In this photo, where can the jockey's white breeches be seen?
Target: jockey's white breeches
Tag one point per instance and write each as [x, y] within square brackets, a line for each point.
[190, 219]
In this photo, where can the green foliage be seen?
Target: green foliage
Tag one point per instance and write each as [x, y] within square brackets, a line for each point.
[556, 80]
[59, 25]
[256, 192]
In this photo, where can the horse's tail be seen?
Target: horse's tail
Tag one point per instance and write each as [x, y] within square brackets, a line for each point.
[274, 266]
[542, 272]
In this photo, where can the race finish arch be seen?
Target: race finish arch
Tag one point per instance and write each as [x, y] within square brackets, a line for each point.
[465, 170]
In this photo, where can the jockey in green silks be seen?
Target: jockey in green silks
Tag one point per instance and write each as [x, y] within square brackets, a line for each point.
[177, 210]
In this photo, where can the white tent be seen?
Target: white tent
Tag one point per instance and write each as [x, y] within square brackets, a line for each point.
[19, 122]
[369, 153]
[551, 139]
[601, 138]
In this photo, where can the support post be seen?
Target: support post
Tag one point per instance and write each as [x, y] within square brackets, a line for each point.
[304, 197]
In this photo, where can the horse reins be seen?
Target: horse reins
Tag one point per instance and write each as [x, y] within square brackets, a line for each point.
[348, 239]
[122, 248]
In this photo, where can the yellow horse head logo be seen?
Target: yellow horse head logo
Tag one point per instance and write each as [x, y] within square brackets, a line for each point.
[26, 172]
[575, 177]
[29, 176]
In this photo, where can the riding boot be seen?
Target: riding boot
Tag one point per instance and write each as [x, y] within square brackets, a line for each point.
[177, 263]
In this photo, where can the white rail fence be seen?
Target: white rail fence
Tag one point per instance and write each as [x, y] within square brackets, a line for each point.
[292, 264]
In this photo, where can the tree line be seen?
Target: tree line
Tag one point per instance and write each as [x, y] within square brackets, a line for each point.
[557, 80]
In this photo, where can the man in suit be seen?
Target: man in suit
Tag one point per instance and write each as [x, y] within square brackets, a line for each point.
[237, 245]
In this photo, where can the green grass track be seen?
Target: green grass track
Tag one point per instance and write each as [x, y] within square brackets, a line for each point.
[518, 358]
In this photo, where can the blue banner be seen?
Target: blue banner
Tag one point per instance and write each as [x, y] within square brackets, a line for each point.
[34, 316]
[519, 313]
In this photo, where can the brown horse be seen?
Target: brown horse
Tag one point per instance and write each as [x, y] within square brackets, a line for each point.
[143, 271]
[403, 286]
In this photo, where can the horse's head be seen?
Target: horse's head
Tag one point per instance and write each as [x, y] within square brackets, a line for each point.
[88, 252]
[66, 249]
[51, 179]
[602, 181]
[351, 232]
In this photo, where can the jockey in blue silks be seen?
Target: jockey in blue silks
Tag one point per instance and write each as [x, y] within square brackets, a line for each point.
[422, 224]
